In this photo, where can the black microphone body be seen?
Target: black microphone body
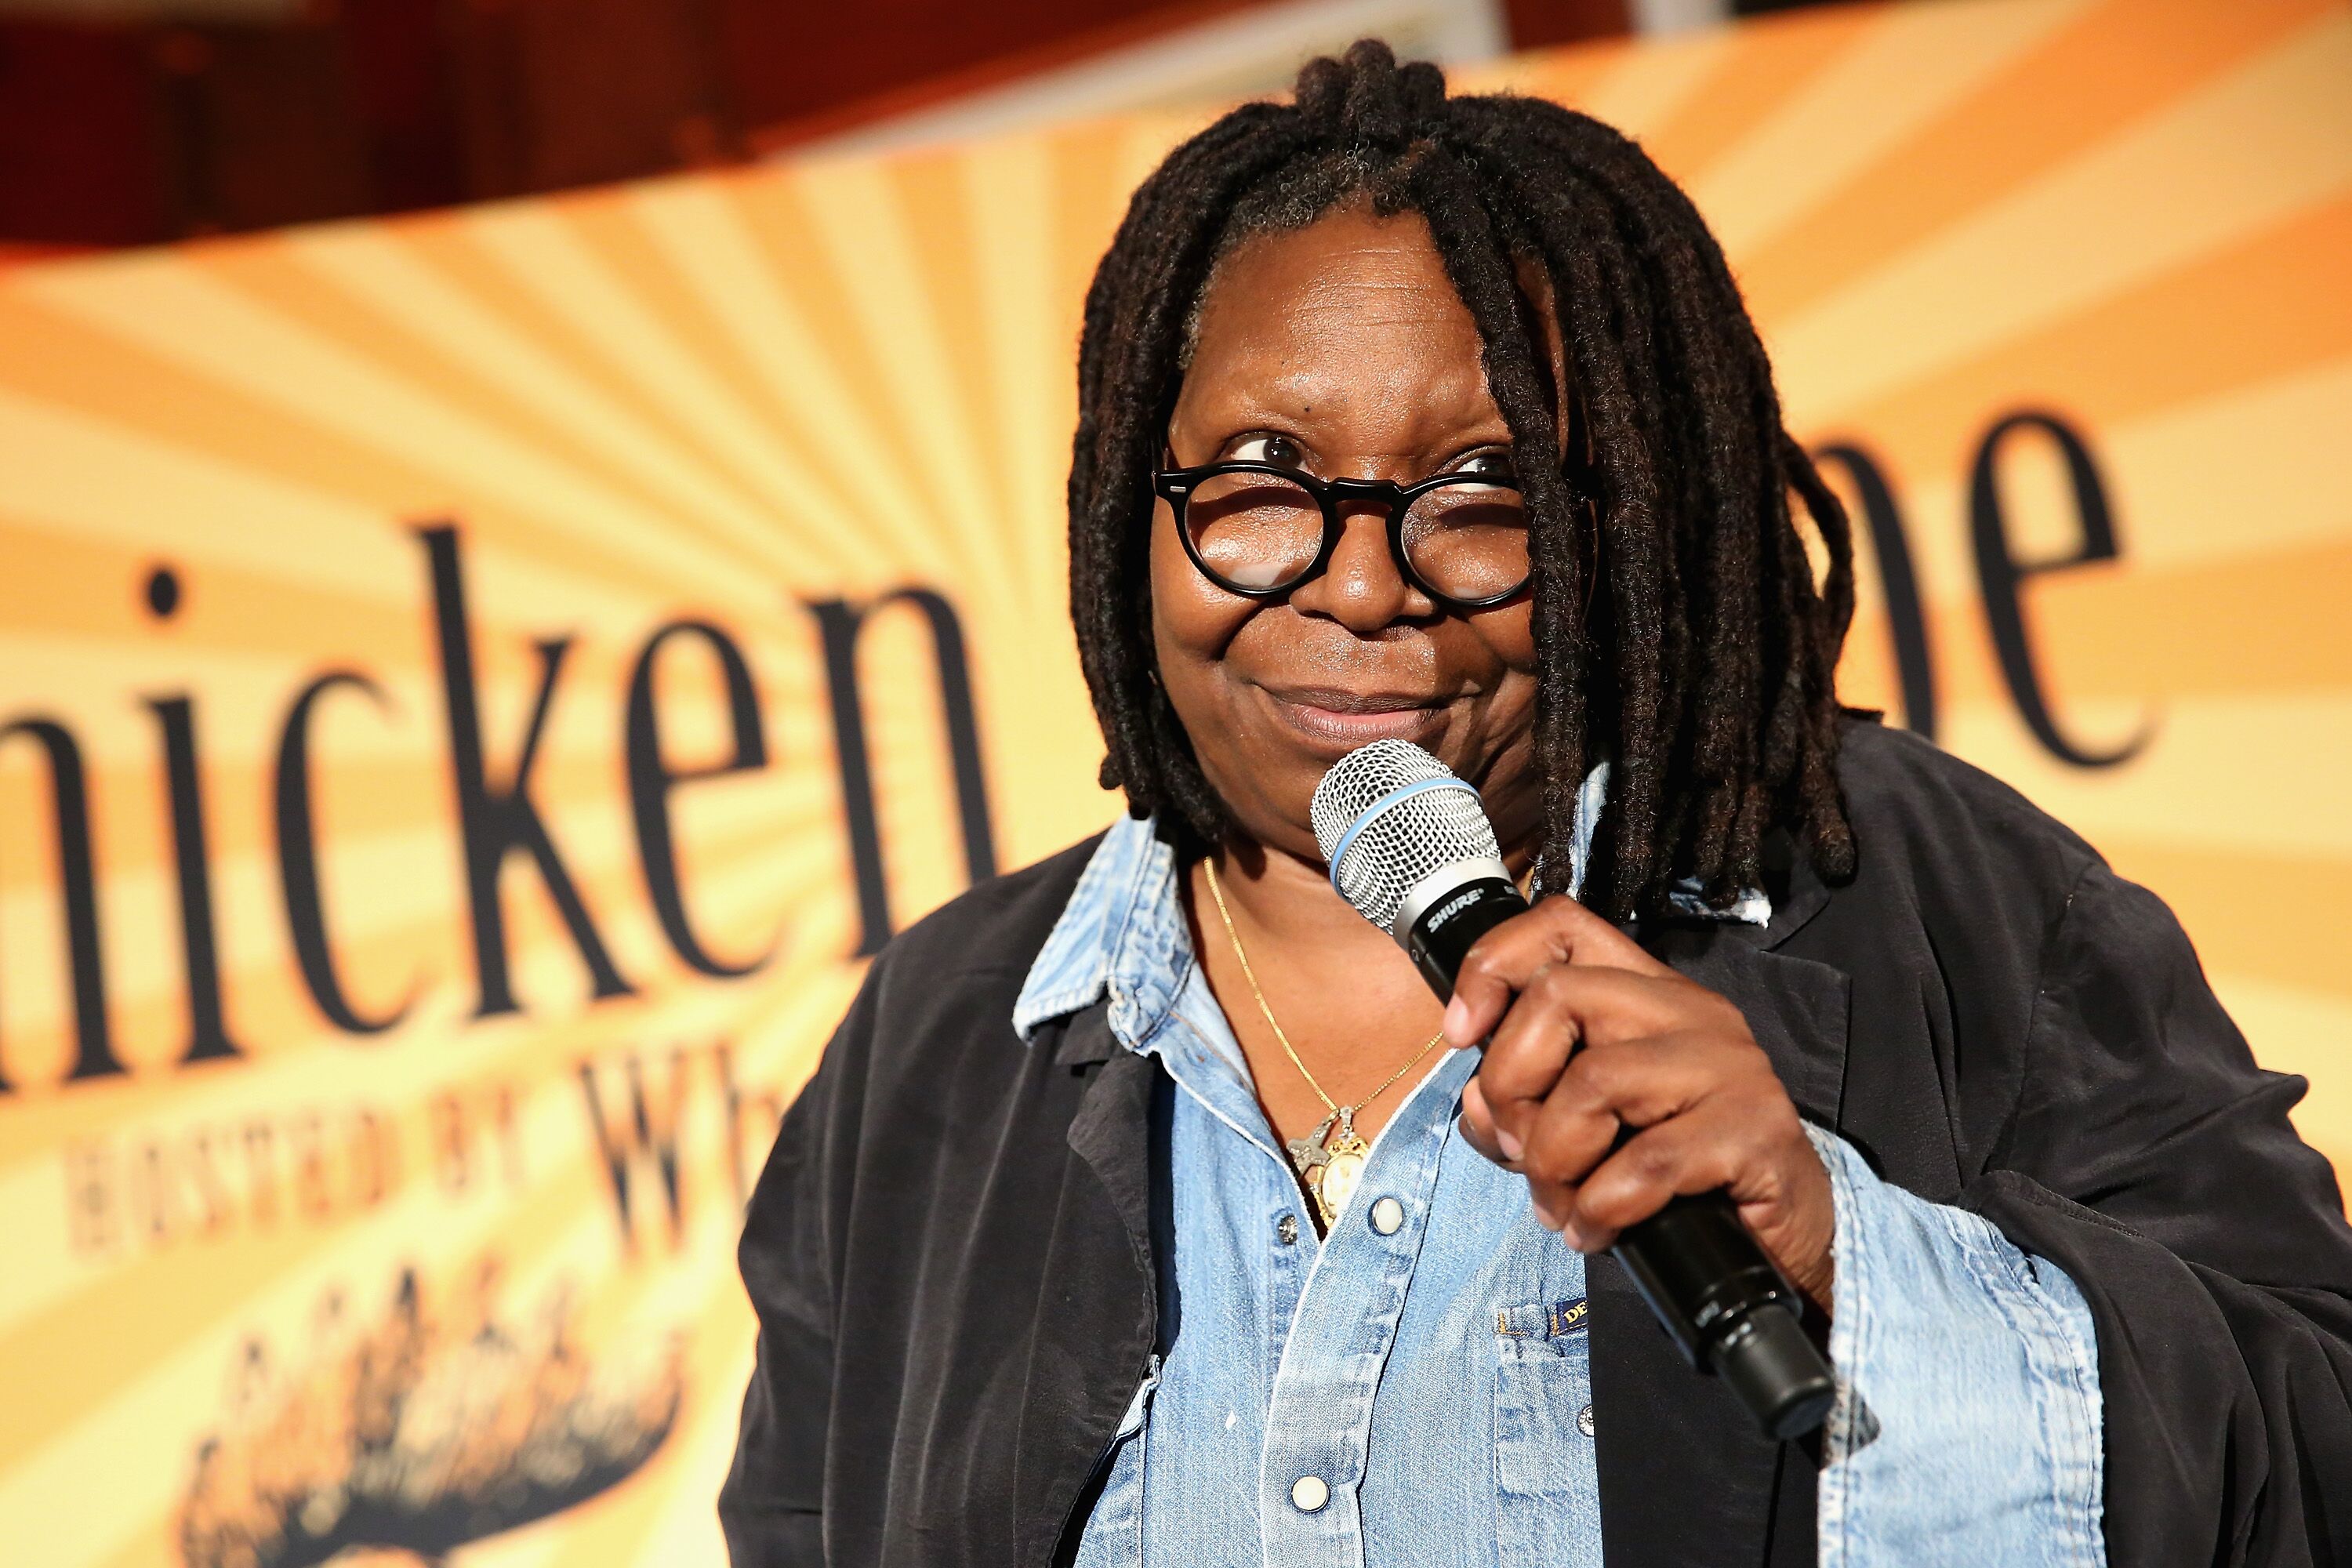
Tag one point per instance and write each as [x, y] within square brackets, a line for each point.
[1704, 1277]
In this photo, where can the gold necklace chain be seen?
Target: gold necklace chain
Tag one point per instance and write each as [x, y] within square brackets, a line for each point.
[1344, 1111]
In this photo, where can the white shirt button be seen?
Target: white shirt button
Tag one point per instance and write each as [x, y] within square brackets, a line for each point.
[1308, 1494]
[1387, 1214]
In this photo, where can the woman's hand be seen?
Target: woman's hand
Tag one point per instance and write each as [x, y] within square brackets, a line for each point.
[1587, 1037]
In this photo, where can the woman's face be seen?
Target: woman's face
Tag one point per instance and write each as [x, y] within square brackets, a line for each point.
[1340, 348]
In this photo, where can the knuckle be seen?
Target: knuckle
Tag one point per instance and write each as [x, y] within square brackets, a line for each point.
[1611, 1066]
[1555, 1149]
[1607, 1060]
[1580, 1090]
[1653, 1159]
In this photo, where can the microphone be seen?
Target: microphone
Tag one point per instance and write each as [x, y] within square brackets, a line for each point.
[1410, 850]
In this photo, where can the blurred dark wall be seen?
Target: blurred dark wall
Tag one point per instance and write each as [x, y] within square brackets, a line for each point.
[136, 131]
[121, 134]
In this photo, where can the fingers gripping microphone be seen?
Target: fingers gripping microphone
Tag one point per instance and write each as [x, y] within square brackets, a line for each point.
[1410, 848]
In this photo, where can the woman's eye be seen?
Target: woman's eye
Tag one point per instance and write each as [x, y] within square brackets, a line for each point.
[1493, 465]
[1280, 450]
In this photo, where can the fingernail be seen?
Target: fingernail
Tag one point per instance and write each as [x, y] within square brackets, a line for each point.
[1457, 1022]
[1568, 1234]
[1508, 1141]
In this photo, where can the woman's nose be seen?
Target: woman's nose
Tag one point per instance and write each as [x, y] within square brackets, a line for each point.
[1360, 588]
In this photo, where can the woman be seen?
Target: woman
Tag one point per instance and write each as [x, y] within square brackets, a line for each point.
[1147, 1207]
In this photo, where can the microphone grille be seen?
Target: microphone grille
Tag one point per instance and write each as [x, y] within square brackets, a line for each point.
[1387, 814]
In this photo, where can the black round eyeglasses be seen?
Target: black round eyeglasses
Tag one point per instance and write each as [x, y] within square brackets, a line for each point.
[1259, 530]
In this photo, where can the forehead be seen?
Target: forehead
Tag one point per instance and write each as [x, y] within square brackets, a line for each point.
[1352, 311]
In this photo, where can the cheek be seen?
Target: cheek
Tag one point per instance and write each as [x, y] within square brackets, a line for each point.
[1503, 642]
[1501, 752]
[1192, 620]
[1508, 635]
[1495, 650]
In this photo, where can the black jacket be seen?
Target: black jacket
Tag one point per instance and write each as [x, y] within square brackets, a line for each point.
[948, 1250]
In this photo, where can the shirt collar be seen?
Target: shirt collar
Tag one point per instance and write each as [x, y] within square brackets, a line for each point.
[1122, 934]
[1119, 921]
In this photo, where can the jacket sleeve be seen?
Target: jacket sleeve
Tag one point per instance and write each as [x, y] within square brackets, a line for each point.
[2150, 1159]
[771, 1507]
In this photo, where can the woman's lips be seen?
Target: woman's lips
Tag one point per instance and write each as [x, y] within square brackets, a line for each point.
[1341, 720]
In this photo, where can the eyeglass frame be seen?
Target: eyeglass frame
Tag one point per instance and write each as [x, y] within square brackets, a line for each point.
[1175, 486]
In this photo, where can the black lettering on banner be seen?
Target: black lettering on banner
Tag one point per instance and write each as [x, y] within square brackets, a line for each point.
[646, 1131]
[297, 861]
[652, 780]
[78, 881]
[1906, 620]
[207, 1029]
[2001, 574]
[839, 622]
[493, 824]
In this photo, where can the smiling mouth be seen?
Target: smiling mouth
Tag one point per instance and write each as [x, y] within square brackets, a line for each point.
[1342, 720]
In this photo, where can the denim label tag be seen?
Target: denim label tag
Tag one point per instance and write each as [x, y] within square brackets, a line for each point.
[1555, 1321]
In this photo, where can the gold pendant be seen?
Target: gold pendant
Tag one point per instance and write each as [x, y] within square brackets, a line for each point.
[1340, 1175]
[1342, 1167]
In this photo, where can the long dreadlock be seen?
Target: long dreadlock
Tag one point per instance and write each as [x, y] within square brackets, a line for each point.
[1703, 665]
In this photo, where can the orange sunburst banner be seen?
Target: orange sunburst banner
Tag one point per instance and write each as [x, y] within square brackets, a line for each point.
[471, 689]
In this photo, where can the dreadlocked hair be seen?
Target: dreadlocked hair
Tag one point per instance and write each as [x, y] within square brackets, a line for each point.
[1695, 650]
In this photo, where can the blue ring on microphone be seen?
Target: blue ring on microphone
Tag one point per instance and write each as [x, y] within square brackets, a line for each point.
[1401, 792]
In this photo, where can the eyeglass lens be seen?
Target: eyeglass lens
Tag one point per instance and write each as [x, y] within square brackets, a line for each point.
[1260, 532]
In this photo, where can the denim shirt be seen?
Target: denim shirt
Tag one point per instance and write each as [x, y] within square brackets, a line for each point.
[1416, 1388]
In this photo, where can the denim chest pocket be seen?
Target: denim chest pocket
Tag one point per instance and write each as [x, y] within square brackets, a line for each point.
[1547, 1496]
